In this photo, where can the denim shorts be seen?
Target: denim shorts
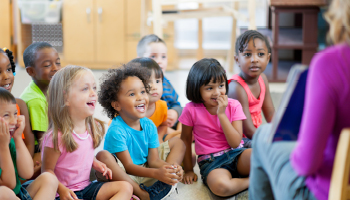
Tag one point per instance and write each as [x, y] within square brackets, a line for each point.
[23, 193]
[227, 161]
[90, 192]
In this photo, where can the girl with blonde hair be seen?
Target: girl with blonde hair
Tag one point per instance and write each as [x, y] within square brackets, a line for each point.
[302, 169]
[68, 146]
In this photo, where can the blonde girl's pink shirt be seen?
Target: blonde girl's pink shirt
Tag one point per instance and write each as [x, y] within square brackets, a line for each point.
[208, 134]
[73, 168]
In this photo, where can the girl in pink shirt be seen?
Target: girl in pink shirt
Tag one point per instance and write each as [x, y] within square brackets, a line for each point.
[216, 123]
[251, 87]
[68, 146]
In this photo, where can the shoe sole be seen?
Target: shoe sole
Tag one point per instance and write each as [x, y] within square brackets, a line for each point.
[173, 188]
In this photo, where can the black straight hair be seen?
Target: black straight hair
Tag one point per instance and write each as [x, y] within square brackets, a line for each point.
[31, 50]
[151, 65]
[243, 40]
[6, 96]
[9, 54]
[201, 73]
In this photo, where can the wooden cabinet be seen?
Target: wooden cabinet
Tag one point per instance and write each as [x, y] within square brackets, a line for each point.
[93, 32]
[6, 39]
[99, 34]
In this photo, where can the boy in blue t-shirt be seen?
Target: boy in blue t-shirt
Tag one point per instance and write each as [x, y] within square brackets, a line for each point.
[153, 169]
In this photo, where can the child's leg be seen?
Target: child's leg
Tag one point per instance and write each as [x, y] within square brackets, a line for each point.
[118, 174]
[243, 164]
[115, 190]
[222, 184]
[177, 151]
[44, 187]
[7, 194]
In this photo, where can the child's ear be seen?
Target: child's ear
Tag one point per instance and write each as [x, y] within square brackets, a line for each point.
[30, 70]
[268, 56]
[116, 105]
[236, 59]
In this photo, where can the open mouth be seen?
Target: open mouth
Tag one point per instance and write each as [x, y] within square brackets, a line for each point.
[12, 131]
[141, 108]
[214, 99]
[7, 86]
[91, 104]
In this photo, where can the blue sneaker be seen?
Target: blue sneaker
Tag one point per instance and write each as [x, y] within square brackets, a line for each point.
[158, 190]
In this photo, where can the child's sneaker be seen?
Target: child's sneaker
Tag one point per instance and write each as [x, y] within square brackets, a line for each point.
[158, 190]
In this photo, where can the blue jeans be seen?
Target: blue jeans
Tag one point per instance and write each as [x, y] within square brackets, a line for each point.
[23, 193]
[90, 192]
[271, 173]
[226, 161]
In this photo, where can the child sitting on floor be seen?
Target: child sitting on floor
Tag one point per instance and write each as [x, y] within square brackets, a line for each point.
[251, 87]
[68, 147]
[15, 157]
[216, 123]
[153, 169]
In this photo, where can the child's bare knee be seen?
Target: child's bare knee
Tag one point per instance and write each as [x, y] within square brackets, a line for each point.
[6, 193]
[126, 186]
[104, 156]
[178, 143]
[220, 188]
[47, 178]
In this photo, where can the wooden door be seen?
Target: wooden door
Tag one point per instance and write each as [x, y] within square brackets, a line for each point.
[5, 24]
[110, 31]
[78, 31]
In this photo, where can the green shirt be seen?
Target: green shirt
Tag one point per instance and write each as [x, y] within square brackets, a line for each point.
[37, 107]
[13, 156]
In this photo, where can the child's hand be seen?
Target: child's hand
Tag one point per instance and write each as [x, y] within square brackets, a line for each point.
[189, 177]
[19, 127]
[5, 136]
[179, 172]
[166, 174]
[67, 194]
[37, 166]
[102, 168]
[172, 117]
[223, 102]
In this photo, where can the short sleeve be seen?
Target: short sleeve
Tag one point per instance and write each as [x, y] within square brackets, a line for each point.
[38, 115]
[152, 136]
[236, 111]
[47, 142]
[115, 140]
[186, 117]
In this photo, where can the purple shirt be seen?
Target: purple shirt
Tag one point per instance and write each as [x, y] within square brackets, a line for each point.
[326, 113]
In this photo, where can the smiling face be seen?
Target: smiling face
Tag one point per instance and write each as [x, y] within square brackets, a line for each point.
[132, 99]
[211, 92]
[6, 74]
[82, 97]
[156, 88]
[47, 63]
[158, 52]
[254, 58]
[8, 111]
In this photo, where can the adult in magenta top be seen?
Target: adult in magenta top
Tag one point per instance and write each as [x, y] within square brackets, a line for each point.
[208, 134]
[326, 113]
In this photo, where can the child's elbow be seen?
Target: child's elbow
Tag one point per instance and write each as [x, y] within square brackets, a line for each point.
[9, 183]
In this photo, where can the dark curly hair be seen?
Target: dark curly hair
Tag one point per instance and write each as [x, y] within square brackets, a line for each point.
[9, 54]
[244, 38]
[111, 83]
